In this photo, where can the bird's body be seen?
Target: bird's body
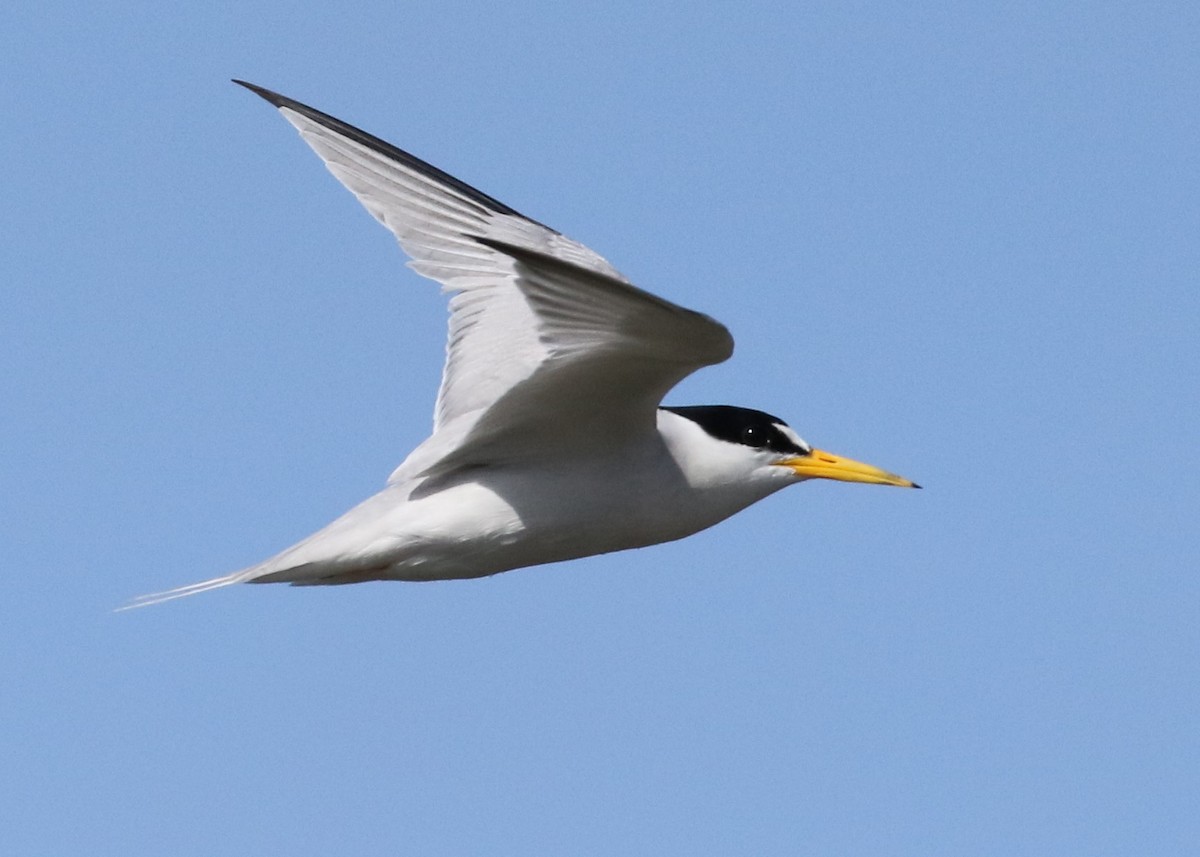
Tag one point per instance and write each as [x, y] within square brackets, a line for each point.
[549, 441]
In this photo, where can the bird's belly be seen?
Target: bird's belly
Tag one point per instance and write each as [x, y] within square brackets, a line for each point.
[498, 520]
[483, 528]
[504, 523]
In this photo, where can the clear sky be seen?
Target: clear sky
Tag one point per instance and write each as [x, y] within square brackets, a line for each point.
[959, 241]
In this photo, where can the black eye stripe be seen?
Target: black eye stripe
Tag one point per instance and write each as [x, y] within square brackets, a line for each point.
[744, 426]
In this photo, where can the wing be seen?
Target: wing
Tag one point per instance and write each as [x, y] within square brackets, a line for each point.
[548, 343]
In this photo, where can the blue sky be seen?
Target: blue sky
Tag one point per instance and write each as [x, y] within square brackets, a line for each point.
[960, 241]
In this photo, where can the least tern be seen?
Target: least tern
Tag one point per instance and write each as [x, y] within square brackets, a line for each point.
[549, 440]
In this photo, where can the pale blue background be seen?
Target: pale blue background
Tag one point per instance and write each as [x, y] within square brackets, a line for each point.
[961, 241]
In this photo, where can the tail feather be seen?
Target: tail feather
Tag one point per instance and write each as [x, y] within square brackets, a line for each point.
[190, 589]
[301, 574]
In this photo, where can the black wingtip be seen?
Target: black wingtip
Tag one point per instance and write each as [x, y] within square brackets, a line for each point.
[915, 485]
[273, 97]
[384, 148]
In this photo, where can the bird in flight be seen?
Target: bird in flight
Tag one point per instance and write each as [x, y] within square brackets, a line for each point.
[549, 438]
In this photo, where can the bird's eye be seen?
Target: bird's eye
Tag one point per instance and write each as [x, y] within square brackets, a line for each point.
[754, 436]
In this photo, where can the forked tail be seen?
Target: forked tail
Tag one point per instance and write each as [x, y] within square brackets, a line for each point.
[190, 589]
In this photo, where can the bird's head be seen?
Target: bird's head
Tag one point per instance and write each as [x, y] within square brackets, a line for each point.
[780, 452]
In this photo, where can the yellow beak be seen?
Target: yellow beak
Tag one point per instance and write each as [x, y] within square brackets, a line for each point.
[826, 465]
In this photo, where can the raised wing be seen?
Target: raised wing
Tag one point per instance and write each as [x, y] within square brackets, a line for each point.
[548, 343]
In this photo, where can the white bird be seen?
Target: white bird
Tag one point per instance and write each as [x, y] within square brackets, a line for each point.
[549, 441]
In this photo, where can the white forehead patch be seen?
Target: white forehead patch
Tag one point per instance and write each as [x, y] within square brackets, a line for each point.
[787, 432]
